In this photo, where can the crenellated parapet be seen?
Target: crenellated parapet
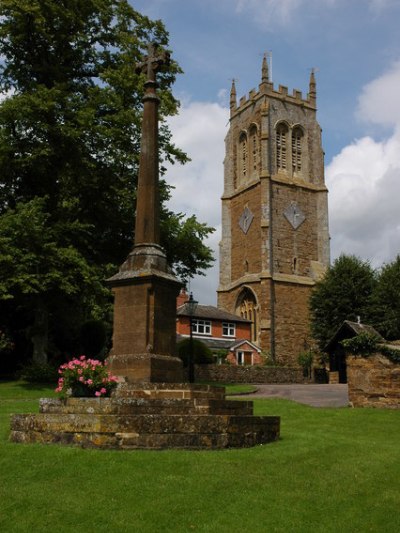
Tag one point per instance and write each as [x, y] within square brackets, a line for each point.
[281, 93]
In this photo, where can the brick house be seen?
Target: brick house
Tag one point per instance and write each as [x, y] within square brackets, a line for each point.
[220, 331]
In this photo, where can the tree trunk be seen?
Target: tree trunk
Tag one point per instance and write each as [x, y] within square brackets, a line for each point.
[39, 336]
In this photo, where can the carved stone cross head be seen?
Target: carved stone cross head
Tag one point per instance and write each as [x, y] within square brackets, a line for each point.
[153, 62]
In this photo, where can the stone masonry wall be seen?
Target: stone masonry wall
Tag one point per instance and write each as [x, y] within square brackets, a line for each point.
[246, 248]
[248, 374]
[373, 382]
[292, 329]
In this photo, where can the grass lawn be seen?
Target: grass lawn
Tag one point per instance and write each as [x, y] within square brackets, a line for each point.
[234, 388]
[334, 470]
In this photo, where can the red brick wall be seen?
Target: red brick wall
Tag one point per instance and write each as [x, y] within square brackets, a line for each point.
[242, 329]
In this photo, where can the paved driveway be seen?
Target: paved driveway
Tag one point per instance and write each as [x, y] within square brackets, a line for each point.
[313, 394]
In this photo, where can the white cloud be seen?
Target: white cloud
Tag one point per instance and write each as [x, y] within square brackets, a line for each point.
[279, 11]
[377, 6]
[379, 101]
[282, 12]
[200, 129]
[364, 180]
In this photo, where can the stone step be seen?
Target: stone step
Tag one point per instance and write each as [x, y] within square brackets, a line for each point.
[168, 390]
[145, 431]
[148, 416]
[265, 430]
[140, 424]
[132, 406]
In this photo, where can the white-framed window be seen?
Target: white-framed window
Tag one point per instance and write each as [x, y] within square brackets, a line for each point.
[228, 329]
[240, 358]
[201, 327]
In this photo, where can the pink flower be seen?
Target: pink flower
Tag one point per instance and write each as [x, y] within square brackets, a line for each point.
[97, 393]
[103, 390]
[89, 382]
[81, 379]
[82, 358]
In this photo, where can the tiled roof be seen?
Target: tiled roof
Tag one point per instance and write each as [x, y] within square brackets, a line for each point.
[358, 328]
[353, 328]
[210, 312]
[213, 344]
[221, 344]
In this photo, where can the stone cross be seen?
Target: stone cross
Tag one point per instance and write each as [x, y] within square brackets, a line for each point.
[145, 290]
[147, 229]
[153, 62]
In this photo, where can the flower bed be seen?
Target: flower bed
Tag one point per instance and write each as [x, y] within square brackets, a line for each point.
[82, 377]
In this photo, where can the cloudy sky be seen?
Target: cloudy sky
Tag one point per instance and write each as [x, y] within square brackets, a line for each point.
[354, 45]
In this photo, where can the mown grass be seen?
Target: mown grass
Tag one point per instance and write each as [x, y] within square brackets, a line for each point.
[334, 470]
[234, 388]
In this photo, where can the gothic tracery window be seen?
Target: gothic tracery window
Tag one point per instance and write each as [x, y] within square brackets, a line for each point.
[247, 308]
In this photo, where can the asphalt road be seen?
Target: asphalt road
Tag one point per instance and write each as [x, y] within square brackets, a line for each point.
[313, 394]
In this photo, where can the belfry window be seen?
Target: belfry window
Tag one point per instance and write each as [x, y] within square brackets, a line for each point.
[281, 146]
[253, 149]
[297, 136]
[243, 155]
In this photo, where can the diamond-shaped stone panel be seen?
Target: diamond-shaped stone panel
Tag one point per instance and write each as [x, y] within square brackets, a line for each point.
[294, 215]
[246, 219]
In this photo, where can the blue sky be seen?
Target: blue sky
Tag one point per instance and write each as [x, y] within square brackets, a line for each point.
[355, 47]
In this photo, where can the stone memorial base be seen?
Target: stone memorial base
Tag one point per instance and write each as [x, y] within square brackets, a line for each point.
[148, 416]
[146, 368]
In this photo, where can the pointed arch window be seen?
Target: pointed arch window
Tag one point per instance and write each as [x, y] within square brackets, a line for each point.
[246, 307]
[297, 141]
[281, 146]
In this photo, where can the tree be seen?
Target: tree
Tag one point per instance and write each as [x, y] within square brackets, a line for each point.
[69, 148]
[387, 301]
[40, 268]
[201, 353]
[344, 293]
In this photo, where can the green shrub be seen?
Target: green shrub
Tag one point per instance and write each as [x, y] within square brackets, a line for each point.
[363, 344]
[390, 353]
[39, 373]
[366, 344]
[220, 355]
[305, 360]
[202, 354]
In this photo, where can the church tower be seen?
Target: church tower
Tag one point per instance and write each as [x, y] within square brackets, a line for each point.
[275, 238]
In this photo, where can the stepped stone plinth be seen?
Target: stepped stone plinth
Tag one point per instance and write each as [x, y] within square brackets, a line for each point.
[148, 416]
[150, 409]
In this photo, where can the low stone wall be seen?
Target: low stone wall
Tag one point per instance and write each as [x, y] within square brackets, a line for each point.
[373, 381]
[249, 374]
